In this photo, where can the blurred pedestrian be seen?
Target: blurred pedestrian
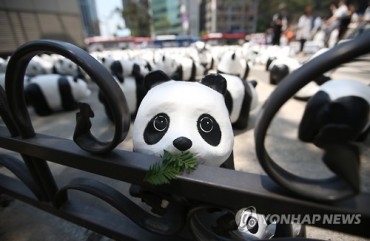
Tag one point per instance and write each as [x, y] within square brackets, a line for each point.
[279, 24]
[304, 27]
[339, 20]
[366, 17]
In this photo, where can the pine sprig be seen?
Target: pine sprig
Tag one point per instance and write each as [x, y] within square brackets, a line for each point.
[171, 166]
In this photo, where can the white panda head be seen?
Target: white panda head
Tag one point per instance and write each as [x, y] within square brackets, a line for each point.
[80, 90]
[35, 67]
[124, 68]
[232, 62]
[180, 116]
[166, 63]
[106, 60]
[144, 67]
[66, 66]
[3, 65]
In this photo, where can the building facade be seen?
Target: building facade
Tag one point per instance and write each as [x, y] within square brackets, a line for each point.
[178, 17]
[90, 18]
[25, 20]
[229, 16]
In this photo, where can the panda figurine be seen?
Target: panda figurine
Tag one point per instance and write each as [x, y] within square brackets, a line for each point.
[165, 63]
[38, 66]
[279, 68]
[134, 91]
[65, 66]
[3, 64]
[51, 93]
[206, 59]
[180, 67]
[336, 117]
[339, 111]
[130, 77]
[241, 97]
[180, 116]
[232, 62]
[123, 68]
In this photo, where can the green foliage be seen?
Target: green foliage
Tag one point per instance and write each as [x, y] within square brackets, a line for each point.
[171, 166]
[137, 17]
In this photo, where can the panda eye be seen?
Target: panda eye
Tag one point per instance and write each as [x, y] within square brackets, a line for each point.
[206, 124]
[209, 129]
[156, 128]
[160, 122]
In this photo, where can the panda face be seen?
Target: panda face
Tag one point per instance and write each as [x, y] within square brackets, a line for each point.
[166, 63]
[66, 66]
[80, 90]
[184, 116]
[34, 67]
[232, 62]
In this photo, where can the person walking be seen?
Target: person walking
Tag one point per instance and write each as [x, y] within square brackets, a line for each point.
[338, 21]
[304, 27]
[279, 24]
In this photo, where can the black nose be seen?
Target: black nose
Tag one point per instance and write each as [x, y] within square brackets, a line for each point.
[182, 143]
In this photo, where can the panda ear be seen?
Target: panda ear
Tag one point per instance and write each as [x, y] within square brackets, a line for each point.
[253, 83]
[155, 77]
[136, 70]
[216, 82]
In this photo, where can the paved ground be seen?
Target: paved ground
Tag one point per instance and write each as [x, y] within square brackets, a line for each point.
[21, 222]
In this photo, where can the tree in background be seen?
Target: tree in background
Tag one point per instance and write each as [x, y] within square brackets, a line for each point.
[137, 17]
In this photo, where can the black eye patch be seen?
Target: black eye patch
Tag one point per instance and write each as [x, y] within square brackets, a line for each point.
[156, 128]
[209, 129]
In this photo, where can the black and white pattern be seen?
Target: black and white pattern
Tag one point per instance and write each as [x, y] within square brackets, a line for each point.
[51, 93]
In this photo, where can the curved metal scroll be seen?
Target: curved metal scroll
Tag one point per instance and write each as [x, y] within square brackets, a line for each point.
[83, 137]
[320, 190]
[170, 223]
[20, 170]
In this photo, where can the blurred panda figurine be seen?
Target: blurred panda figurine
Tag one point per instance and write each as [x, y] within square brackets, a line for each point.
[334, 119]
[180, 116]
[130, 78]
[38, 66]
[180, 67]
[51, 93]
[3, 64]
[281, 67]
[241, 98]
[339, 111]
[232, 62]
[65, 66]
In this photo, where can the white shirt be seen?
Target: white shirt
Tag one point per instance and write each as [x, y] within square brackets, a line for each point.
[304, 27]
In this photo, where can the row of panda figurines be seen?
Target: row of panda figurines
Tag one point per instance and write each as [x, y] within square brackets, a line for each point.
[48, 90]
[49, 93]
[241, 96]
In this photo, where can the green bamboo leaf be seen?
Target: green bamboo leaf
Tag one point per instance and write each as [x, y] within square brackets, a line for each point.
[171, 166]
